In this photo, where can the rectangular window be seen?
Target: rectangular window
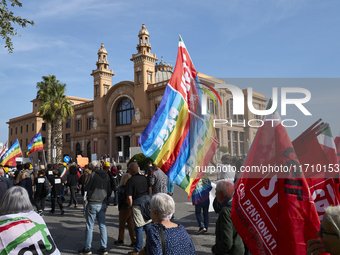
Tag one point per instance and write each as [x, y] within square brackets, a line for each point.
[138, 77]
[32, 126]
[43, 139]
[11, 131]
[21, 142]
[242, 143]
[149, 77]
[78, 125]
[26, 128]
[68, 123]
[21, 129]
[16, 130]
[90, 123]
[211, 106]
[231, 109]
[68, 137]
[43, 127]
[235, 143]
[156, 107]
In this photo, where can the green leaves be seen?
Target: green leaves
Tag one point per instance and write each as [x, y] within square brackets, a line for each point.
[7, 20]
[51, 95]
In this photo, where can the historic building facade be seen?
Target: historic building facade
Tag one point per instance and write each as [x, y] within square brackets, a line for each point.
[116, 116]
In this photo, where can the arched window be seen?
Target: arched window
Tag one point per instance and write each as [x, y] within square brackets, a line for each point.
[124, 112]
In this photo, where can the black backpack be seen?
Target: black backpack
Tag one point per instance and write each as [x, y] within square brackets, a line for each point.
[47, 188]
[115, 181]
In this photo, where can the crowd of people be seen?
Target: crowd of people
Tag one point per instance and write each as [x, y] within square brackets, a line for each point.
[144, 203]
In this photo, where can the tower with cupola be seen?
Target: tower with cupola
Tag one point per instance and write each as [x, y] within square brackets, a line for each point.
[144, 72]
[102, 76]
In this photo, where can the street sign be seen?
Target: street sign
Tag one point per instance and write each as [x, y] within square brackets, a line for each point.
[66, 159]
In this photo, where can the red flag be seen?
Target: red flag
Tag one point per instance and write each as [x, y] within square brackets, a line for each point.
[316, 151]
[274, 212]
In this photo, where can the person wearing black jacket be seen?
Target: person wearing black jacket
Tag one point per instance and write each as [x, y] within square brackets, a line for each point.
[97, 187]
[40, 194]
[72, 182]
[57, 185]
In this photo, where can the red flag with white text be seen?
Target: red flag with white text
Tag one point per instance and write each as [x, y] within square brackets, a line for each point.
[274, 212]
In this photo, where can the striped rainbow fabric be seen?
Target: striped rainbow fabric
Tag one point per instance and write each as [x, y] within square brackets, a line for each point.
[35, 144]
[179, 139]
[13, 152]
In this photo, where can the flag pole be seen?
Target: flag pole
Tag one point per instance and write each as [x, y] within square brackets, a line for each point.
[44, 158]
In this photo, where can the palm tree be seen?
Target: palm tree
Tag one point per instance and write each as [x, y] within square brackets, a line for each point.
[44, 110]
[63, 110]
[55, 108]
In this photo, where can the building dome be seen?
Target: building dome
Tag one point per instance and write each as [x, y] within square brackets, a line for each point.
[143, 31]
[102, 49]
[163, 71]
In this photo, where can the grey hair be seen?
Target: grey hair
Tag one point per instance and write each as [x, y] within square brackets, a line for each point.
[164, 204]
[332, 213]
[227, 187]
[95, 164]
[15, 200]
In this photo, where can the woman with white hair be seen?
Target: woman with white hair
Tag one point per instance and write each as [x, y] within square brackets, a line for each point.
[176, 239]
[18, 220]
[329, 233]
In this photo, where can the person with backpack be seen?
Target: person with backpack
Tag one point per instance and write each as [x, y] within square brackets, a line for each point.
[125, 214]
[57, 185]
[42, 189]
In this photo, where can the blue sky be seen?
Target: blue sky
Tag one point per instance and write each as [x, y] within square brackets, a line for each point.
[226, 39]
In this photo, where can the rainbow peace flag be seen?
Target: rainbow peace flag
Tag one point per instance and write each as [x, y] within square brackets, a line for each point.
[35, 144]
[179, 139]
[202, 191]
[9, 157]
